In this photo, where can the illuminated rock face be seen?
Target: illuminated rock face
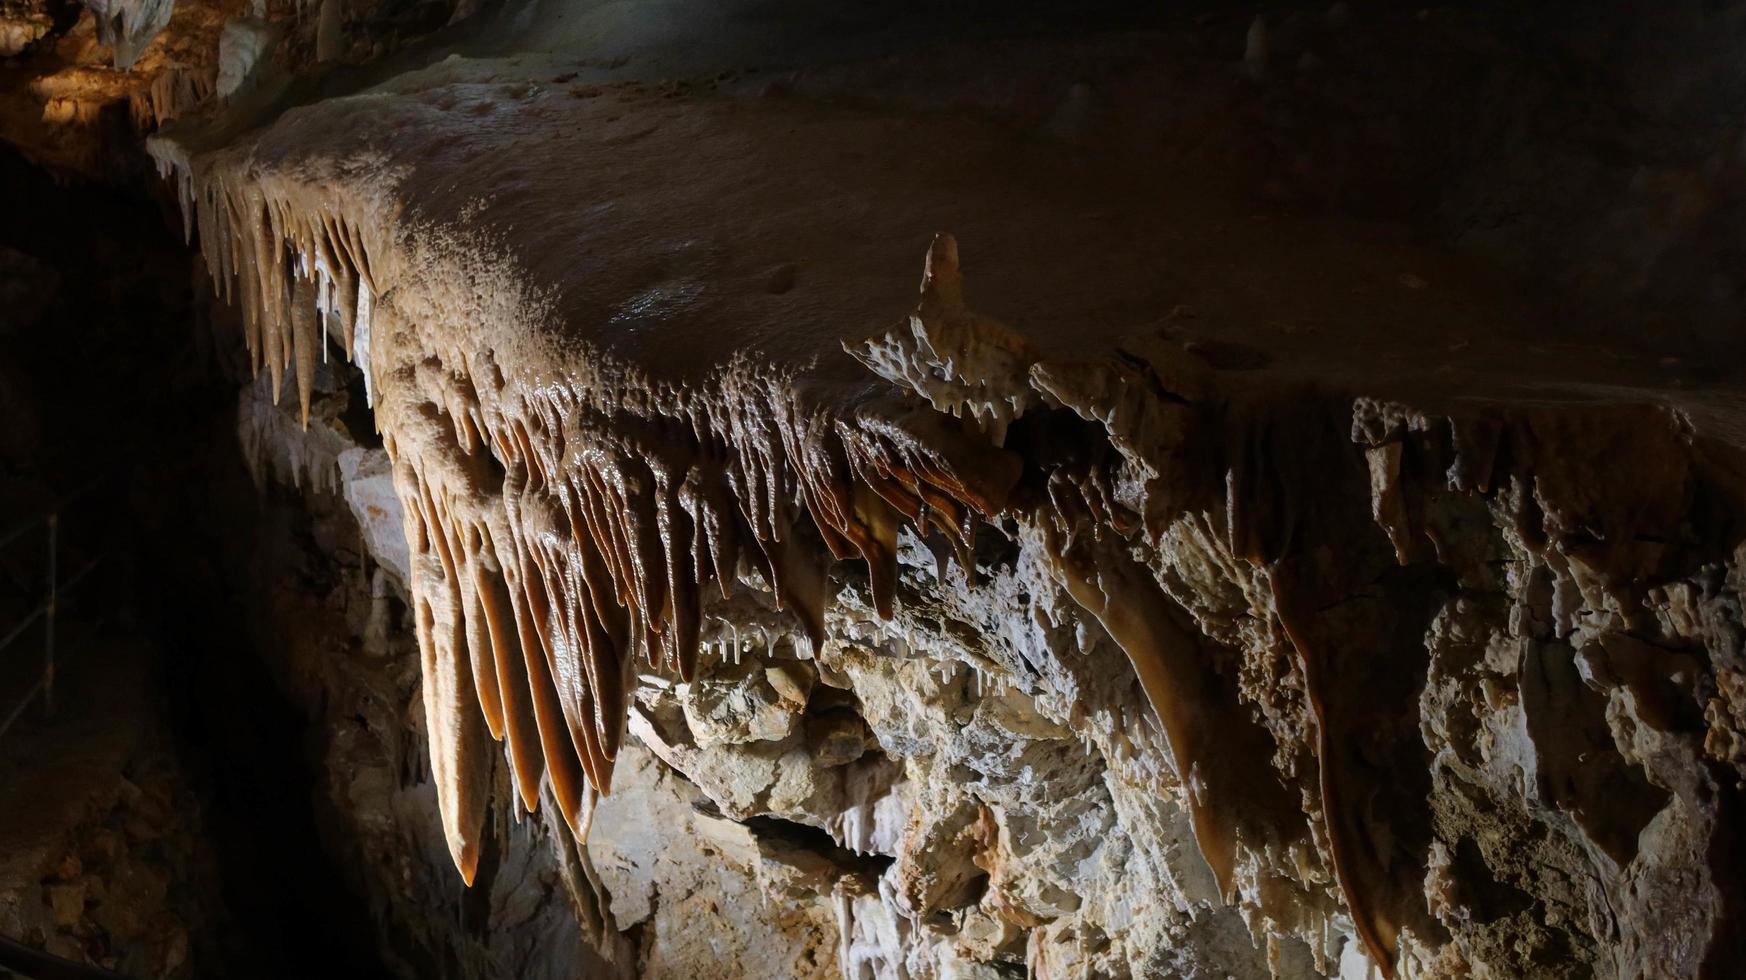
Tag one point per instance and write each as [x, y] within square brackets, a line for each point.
[127, 27]
[1164, 591]
[1109, 646]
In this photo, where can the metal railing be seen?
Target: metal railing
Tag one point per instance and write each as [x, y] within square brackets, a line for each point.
[17, 958]
[54, 588]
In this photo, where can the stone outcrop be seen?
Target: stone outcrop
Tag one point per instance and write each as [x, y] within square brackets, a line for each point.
[1158, 657]
[1175, 587]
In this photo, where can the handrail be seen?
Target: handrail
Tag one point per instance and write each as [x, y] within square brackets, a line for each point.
[38, 965]
[46, 610]
[16, 957]
[46, 679]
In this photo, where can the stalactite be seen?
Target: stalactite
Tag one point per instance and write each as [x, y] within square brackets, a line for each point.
[175, 91]
[612, 524]
[1378, 931]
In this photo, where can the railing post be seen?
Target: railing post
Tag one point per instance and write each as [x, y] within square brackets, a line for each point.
[48, 630]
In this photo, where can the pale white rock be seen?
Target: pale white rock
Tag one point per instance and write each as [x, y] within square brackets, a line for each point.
[368, 480]
[128, 26]
[241, 45]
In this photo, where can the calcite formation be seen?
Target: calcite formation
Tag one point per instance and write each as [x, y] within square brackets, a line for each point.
[127, 27]
[82, 92]
[1129, 633]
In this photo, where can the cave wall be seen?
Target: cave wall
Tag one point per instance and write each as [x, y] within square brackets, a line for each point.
[1465, 719]
[1274, 587]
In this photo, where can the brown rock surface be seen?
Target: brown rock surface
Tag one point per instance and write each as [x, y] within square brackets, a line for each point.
[1204, 576]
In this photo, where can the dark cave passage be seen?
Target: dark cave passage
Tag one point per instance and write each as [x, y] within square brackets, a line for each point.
[112, 374]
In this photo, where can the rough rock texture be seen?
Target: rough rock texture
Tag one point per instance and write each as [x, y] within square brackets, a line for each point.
[1568, 781]
[106, 861]
[1180, 586]
[82, 92]
[1164, 654]
[82, 82]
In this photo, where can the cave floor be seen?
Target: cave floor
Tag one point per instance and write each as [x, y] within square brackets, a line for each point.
[55, 772]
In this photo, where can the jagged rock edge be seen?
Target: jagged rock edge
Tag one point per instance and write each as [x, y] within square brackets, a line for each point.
[561, 527]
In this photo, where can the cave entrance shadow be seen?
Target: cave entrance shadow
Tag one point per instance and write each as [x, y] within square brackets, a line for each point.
[114, 373]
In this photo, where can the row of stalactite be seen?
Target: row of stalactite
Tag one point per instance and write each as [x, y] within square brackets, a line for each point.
[563, 532]
[296, 272]
[174, 91]
[558, 544]
[559, 538]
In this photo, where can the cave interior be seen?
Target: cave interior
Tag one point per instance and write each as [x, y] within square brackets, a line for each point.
[898, 491]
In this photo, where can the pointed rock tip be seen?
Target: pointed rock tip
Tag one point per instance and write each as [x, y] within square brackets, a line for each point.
[942, 280]
[467, 862]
